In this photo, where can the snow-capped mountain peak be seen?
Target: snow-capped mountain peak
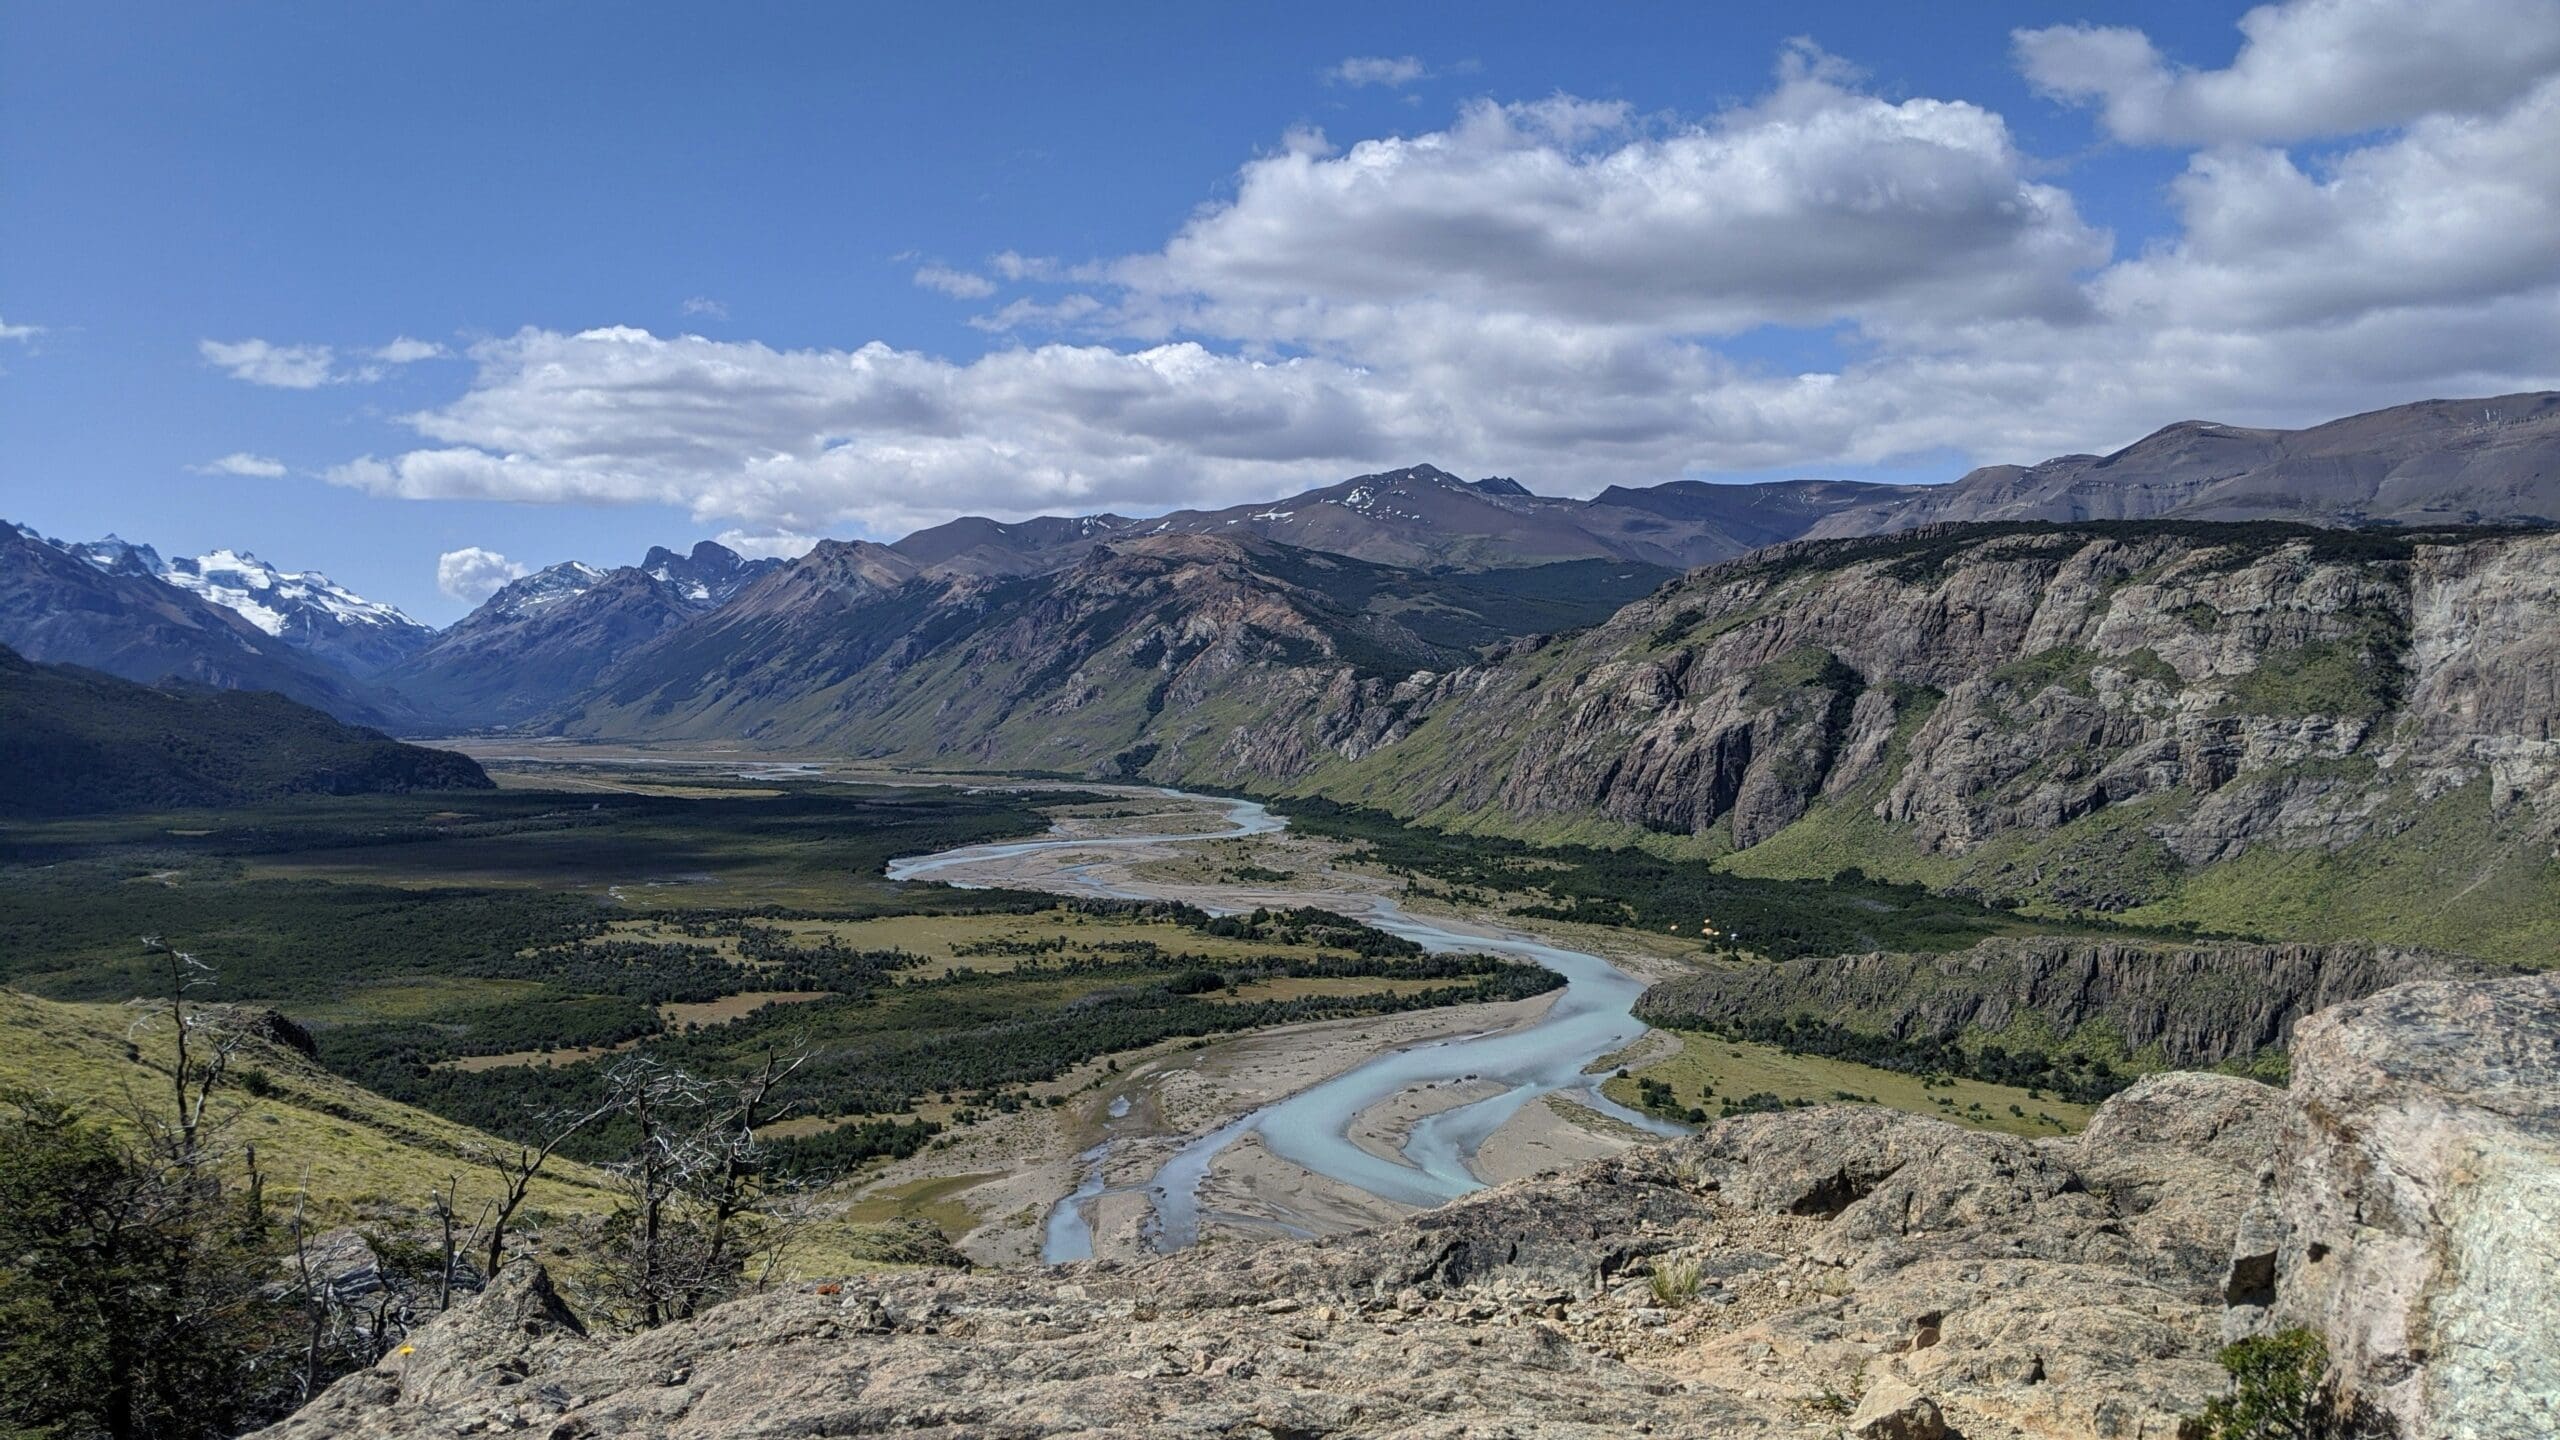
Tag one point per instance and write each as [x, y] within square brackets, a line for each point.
[540, 590]
[305, 609]
[116, 555]
[280, 602]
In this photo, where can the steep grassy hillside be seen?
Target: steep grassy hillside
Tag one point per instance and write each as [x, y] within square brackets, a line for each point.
[350, 1149]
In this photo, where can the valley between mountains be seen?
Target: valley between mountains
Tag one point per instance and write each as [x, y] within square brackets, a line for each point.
[1902, 960]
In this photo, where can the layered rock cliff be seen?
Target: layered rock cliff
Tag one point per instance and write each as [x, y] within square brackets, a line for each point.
[2077, 715]
[2183, 1003]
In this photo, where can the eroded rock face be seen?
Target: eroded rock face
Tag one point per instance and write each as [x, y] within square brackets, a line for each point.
[1782, 1275]
[1960, 684]
[2199, 1003]
[2412, 1213]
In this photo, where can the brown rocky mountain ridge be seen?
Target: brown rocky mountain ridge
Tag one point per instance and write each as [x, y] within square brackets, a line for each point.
[2438, 462]
[2089, 716]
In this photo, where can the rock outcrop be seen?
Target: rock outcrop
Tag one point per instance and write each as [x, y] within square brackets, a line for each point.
[2412, 1213]
[1782, 1275]
[2190, 1004]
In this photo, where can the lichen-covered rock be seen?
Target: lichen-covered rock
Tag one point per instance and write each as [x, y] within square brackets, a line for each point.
[2412, 1214]
[1892, 1410]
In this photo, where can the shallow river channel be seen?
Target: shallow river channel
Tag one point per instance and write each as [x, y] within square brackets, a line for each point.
[1312, 1128]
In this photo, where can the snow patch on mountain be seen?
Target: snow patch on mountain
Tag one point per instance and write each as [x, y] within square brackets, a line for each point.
[540, 590]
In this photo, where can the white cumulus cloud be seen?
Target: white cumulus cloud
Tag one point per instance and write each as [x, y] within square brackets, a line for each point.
[1575, 293]
[1388, 70]
[406, 351]
[19, 332]
[775, 546]
[308, 367]
[472, 574]
[2306, 68]
[281, 367]
[1817, 203]
[958, 284]
[242, 463]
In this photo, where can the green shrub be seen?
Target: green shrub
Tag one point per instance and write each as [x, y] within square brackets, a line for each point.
[2275, 1382]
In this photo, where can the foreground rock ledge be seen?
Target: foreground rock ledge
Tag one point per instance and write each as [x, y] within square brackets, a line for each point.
[2411, 1214]
[1994, 1285]
[1838, 1270]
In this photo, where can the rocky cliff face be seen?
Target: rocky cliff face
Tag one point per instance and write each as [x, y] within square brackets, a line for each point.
[2412, 1211]
[2180, 693]
[2191, 1004]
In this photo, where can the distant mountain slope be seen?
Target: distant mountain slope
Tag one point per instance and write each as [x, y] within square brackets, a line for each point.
[1424, 517]
[974, 545]
[1145, 645]
[57, 607]
[1693, 522]
[2437, 462]
[76, 741]
[543, 640]
[305, 609]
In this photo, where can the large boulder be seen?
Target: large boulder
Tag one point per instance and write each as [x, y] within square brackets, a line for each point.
[2411, 1216]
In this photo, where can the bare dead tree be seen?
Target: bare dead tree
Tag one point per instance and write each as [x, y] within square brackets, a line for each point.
[317, 1296]
[453, 1239]
[736, 1188]
[668, 1158]
[516, 1166]
[205, 1042]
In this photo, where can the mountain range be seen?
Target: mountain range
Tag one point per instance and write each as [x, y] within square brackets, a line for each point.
[551, 634]
[110, 610]
[948, 642]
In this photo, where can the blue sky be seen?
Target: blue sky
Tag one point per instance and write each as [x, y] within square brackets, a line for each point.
[1210, 303]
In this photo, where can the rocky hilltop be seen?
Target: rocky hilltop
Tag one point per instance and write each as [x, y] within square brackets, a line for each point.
[1840, 1268]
